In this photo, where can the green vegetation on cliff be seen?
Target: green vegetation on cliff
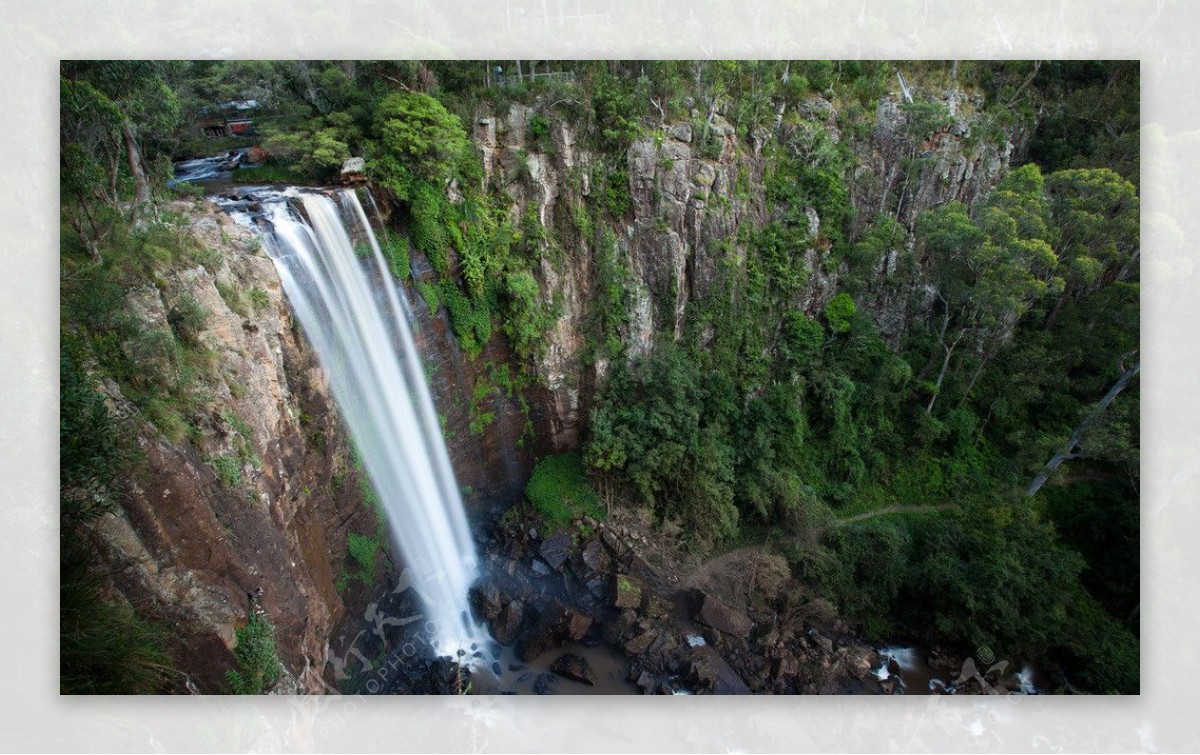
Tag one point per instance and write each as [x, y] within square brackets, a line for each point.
[850, 359]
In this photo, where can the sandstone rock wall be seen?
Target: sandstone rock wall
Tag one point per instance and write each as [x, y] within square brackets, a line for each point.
[688, 205]
[190, 544]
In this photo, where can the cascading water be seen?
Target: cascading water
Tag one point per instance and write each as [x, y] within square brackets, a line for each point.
[353, 317]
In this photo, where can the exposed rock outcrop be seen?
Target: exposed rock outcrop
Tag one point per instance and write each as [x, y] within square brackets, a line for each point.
[690, 200]
[247, 498]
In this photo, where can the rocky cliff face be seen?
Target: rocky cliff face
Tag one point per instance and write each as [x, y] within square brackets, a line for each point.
[253, 495]
[251, 498]
[689, 203]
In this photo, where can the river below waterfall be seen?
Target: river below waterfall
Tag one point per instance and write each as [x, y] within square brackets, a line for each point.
[906, 671]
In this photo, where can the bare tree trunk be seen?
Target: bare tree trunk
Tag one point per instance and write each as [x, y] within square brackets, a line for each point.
[142, 194]
[987, 357]
[114, 171]
[937, 387]
[520, 74]
[1053, 316]
[1068, 450]
[941, 341]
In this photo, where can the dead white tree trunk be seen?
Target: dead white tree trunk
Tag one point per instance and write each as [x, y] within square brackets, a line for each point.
[1068, 451]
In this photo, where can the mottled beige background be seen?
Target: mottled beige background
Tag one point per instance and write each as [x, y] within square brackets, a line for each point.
[1161, 33]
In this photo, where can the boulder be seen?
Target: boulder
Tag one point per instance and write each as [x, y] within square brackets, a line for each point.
[860, 660]
[627, 591]
[708, 671]
[647, 683]
[714, 612]
[595, 586]
[485, 600]
[656, 607]
[682, 132]
[507, 623]
[785, 666]
[558, 625]
[593, 557]
[542, 685]
[823, 642]
[354, 165]
[575, 667]
[640, 643]
[556, 549]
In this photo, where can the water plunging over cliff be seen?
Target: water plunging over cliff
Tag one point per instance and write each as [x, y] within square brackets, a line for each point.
[353, 317]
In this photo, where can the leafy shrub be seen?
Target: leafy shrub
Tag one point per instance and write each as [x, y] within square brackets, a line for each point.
[560, 492]
[259, 299]
[316, 147]
[421, 133]
[840, 313]
[362, 549]
[470, 320]
[539, 133]
[528, 320]
[92, 452]
[105, 648]
[395, 251]
[255, 657]
[228, 469]
[614, 197]
[428, 226]
[187, 318]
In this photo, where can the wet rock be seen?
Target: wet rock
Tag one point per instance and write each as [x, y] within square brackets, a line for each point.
[618, 627]
[707, 670]
[663, 645]
[593, 557]
[558, 625]
[485, 600]
[543, 684]
[822, 642]
[641, 643]
[595, 586]
[785, 666]
[860, 660]
[715, 613]
[647, 683]
[540, 568]
[439, 676]
[627, 591]
[656, 607]
[575, 667]
[507, 623]
[556, 549]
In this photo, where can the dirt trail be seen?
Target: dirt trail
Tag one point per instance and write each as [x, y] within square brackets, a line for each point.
[895, 510]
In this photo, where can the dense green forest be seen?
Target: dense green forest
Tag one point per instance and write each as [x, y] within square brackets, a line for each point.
[892, 469]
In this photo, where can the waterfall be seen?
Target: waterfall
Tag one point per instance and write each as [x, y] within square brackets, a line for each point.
[354, 319]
